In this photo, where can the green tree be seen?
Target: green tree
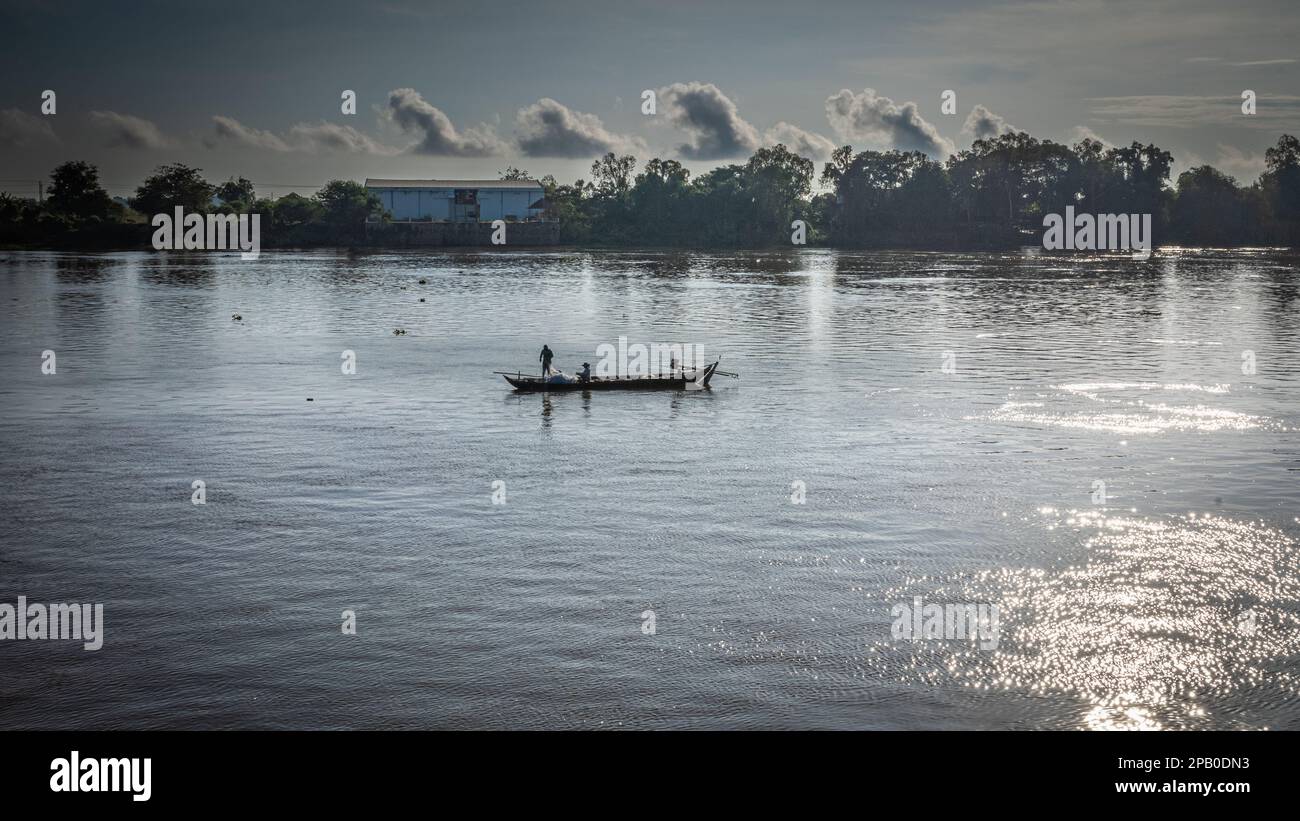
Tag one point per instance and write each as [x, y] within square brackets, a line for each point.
[776, 180]
[236, 193]
[922, 203]
[834, 170]
[1093, 174]
[11, 208]
[888, 196]
[1142, 171]
[1012, 180]
[1280, 185]
[295, 209]
[75, 192]
[610, 207]
[660, 202]
[170, 186]
[994, 177]
[612, 176]
[1210, 209]
[570, 205]
[721, 205]
[347, 205]
[266, 207]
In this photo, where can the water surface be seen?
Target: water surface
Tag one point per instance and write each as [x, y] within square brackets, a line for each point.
[950, 418]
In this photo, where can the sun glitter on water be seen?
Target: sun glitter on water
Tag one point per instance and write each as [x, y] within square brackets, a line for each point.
[1130, 408]
[1166, 617]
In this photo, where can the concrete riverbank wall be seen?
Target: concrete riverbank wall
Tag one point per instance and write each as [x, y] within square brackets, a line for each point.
[465, 234]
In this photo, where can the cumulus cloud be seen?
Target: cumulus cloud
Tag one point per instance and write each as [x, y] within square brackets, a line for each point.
[983, 124]
[126, 131]
[871, 117]
[1081, 132]
[438, 137]
[550, 129]
[325, 136]
[228, 129]
[314, 138]
[714, 127]
[804, 143]
[18, 129]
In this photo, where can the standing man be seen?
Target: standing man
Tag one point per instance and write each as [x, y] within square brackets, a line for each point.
[546, 356]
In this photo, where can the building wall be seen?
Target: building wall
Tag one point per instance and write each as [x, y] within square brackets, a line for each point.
[436, 203]
[500, 203]
[466, 234]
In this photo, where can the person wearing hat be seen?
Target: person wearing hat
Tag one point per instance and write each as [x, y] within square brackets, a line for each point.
[585, 375]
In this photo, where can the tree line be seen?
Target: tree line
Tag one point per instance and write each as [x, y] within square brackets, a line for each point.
[79, 212]
[994, 194]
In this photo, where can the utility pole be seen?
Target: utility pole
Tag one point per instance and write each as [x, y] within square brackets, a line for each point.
[40, 192]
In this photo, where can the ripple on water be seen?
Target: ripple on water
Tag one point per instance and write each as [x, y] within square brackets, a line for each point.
[1166, 625]
[1127, 408]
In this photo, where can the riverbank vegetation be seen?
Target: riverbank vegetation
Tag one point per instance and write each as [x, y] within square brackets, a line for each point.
[78, 213]
[993, 195]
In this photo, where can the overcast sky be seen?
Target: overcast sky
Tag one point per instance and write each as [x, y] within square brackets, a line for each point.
[462, 90]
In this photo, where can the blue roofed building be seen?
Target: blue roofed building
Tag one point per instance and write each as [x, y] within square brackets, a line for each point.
[460, 200]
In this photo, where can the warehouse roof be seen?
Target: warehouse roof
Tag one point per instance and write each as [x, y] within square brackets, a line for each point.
[529, 185]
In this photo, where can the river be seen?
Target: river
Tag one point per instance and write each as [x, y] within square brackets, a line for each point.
[1104, 449]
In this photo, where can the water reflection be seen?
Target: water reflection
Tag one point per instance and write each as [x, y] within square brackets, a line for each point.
[552, 405]
[82, 296]
[1166, 616]
[1123, 408]
[194, 270]
[83, 270]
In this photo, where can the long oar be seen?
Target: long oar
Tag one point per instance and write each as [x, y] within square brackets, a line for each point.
[720, 373]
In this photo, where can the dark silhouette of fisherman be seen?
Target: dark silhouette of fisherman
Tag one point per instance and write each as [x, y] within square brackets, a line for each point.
[546, 356]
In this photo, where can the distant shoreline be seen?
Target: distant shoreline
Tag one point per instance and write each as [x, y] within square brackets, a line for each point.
[594, 248]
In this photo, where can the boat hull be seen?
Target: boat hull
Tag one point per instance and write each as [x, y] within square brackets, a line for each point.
[525, 384]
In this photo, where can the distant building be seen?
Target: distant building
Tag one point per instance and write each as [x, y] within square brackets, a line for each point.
[460, 200]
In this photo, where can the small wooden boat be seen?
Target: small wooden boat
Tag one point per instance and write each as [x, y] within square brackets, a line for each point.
[690, 380]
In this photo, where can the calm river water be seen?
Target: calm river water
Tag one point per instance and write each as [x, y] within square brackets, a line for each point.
[1077, 441]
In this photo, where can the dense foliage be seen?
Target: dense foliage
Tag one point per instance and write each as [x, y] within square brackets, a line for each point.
[994, 194]
[78, 212]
